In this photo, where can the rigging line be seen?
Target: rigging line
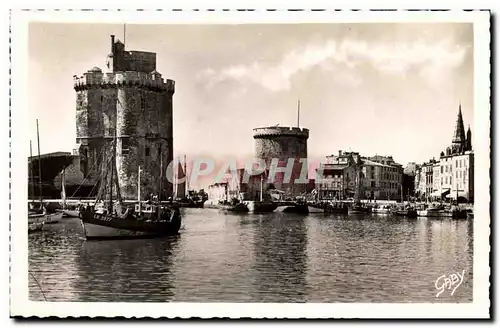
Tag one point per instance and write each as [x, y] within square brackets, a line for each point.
[88, 174]
[38, 284]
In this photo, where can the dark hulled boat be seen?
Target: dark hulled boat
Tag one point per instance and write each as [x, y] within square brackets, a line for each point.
[112, 218]
[139, 221]
[234, 206]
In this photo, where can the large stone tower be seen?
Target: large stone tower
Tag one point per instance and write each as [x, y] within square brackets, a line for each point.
[283, 143]
[131, 104]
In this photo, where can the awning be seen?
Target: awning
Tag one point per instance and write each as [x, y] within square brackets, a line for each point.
[446, 192]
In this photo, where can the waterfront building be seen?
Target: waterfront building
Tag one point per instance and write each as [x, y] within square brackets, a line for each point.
[332, 179]
[130, 104]
[381, 177]
[453, 174]
[283, 143]
[425, 180]
[409, 173]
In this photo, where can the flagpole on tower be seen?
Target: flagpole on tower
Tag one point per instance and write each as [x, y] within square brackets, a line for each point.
[298, 113]
[124, 32]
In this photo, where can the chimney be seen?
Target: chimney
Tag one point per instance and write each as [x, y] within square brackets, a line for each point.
[340, 152]
[112, 43]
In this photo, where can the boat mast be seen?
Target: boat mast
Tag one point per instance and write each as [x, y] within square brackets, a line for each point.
[32, 182]
[261, 178]
[139, 188]
[63, 191]
[39, 163]
[186, 175]
[161, 175]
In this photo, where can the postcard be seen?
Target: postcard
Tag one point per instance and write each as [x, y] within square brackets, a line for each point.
[250, 164]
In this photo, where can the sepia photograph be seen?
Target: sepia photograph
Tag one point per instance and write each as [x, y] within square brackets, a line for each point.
[290, 164]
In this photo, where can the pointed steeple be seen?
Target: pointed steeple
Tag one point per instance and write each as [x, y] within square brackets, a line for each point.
[459, 134]
[468, 140]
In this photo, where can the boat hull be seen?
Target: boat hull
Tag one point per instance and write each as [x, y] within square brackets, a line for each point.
[297, 209]
[442, 214]
[105, 226]
[97, 232]
[261, 207]
[33, 227]
[70, 213]
[53, 218]
[44, 218]
[381, 211]
[238, 208]
[357, 212]
[406, 213]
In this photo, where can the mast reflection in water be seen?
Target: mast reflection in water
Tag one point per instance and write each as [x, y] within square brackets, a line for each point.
[258, 258]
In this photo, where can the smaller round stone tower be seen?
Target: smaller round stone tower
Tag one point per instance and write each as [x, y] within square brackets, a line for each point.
[282, 144]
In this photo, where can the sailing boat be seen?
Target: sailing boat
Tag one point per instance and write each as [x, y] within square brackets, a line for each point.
[356, 207]
[111, 218]
[39, 216]
[66, 211]
[261, 206]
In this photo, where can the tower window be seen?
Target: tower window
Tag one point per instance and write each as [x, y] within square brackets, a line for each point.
[125, 147]
[147, 151]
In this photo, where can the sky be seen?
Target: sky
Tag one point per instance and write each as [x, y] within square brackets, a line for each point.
[375, 88]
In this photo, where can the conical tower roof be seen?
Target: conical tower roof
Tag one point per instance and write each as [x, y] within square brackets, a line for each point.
[459, 134]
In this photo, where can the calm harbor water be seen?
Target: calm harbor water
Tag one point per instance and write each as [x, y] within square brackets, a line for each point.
[258, 258]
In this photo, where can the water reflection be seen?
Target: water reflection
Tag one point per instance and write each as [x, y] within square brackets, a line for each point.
[258, 258]
[280, 260]
[125, 270]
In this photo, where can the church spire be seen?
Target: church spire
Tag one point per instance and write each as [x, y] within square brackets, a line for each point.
[459, 134]
[468, 139]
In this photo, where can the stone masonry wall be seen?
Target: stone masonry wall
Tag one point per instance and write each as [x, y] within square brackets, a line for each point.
[137, 108]
[276, 145]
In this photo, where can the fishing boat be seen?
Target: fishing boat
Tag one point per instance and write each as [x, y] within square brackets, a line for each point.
[66, 210]
[442, 211]
[358, 208]
[470, 214]
[37, 214]
[297, 208]
[382, 209]
[406, 211]
[327, 207]
[234, 206]
[261, 206]
[112, 218]
[34, 227]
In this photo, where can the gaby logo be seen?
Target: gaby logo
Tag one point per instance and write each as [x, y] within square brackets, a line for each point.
[454, 280]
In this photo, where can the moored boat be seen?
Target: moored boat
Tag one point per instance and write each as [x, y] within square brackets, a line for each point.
[36, 226]
[111, 218]
[358, 208]
[70, 213]
[411, 213]
[261, 206]
[381, 209]
[235, 208]
[143, 220]
[327, 207]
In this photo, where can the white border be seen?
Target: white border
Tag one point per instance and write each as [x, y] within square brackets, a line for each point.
[21, 306]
